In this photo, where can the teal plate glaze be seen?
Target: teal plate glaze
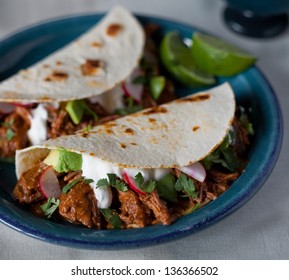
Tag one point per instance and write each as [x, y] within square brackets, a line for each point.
[251, 88]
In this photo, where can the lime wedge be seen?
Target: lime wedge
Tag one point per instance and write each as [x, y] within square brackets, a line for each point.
[218, 57]
[178, 60]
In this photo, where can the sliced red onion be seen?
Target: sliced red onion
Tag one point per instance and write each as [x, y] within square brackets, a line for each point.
[195, 170]
[132, 184]
[6, 108]
[132, 89]
[49, 184]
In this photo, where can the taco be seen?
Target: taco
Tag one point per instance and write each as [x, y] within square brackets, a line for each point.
[145, 168]
[78, 86]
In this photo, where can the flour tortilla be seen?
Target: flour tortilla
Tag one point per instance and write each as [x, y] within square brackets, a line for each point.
[172, 135]
[91, 65]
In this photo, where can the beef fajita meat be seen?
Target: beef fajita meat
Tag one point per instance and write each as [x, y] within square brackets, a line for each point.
[158, 207]
[79, 206]
[13, 132]
[133, 212]
[27, 189]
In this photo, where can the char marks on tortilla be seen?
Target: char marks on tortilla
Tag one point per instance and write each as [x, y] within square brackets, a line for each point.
[175, 134]
[94, 63]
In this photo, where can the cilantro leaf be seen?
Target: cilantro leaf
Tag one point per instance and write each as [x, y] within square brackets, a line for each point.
[50, 206]
[244, 120]
[102, 183]
[10, 134]
[147, 187]
[112, 217]
[70, 185]
[128, 110]
[112, 181]
[224, 154]
[66, 188]
[186, 185]
[166, 188]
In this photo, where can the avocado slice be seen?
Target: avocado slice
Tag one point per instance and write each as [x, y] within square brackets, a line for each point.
[63, 160]
[77, 108]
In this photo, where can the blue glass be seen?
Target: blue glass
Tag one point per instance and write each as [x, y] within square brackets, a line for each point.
[257, 18]
[251, 88]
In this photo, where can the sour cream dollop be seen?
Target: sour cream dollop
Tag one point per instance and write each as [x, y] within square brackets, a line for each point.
[38, 130]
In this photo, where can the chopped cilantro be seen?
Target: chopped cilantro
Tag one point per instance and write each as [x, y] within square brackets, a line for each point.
[50, 206]
[112, 217]
[224, 154]
[73, 183]
[87, 181]
[102, 183]
[87, 128]
[147, 187]
[70, 185]
[186, 185]
[244, 120]
[140, 80]
[130, 107]
[10, 134]
[166, 188]
[112, 181]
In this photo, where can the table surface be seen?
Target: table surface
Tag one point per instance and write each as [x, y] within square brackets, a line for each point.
[260, 229]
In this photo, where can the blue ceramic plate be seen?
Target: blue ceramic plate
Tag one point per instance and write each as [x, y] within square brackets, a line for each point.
[252, 89]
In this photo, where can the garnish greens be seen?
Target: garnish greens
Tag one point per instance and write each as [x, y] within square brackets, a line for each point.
[112, 181]
[130, 108]
[166, 188]
[10, 133]
[186, 185]
[50, 206]
[144, 186]
[73, 183]
[224, 155]
[244, 120]
[112, 217]
[77, 108]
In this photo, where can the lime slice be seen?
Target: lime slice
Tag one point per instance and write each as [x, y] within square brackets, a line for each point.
[178, 60]
[218, 57]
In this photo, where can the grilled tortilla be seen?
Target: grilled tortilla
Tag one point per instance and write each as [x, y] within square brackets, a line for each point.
[172, 135]
[94, 63]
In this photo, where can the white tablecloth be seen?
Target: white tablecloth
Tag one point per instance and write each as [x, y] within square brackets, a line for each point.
[260, 229]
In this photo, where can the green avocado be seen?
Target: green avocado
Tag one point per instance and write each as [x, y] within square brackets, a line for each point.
[63, 160]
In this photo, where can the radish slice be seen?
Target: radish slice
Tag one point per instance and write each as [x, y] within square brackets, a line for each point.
[24, 104]
[196, 171]
[49, 184]
[132, 184]
[133, 90]
[6, 108]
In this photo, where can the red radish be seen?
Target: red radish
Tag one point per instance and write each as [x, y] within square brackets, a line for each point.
[132, 89]
[195, 170]
[49, 184]
[24, 104]
[132, 184]
[6, 108]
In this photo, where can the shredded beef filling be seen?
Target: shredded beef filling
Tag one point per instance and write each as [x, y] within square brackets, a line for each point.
[133, 212]
[79, 206]
[13, 132]
[27, 190]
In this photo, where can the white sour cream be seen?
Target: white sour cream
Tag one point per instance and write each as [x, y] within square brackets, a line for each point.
[96, 169]
[38, 130]
[110, 100]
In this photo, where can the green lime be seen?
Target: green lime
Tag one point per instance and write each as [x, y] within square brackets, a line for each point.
[178, 60]
[217, 57]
